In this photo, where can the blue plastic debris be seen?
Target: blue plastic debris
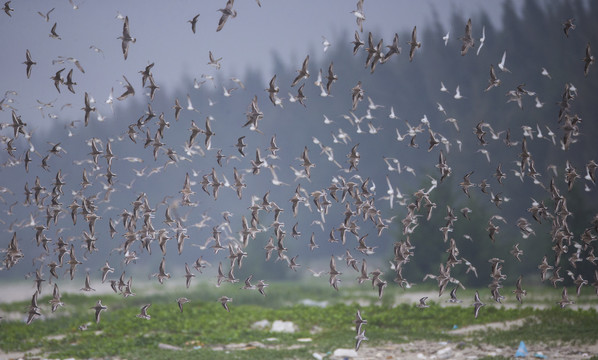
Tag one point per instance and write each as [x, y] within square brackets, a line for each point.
[522, 350]
[455, 327]
[539, 355]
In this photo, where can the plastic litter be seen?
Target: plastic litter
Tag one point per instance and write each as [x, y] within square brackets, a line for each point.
[522, 350]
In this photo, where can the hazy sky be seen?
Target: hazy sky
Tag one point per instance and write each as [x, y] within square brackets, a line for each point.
[289, 28]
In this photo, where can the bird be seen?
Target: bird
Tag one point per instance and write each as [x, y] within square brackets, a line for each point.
[226, 12]
[87, 108]
[588, 60]
[413, 43]
[180, 301]
[55, 302]
[7, 9]
[46, 16]
[58, 79]
[213, 61]
[468, 41]
[188, 276]
[519, 292]
[87, 286]
[359, 321]
[325, 43]
[98, 309]
[568, 25]
[501, 64]
[126, 38]
[28, 62]
[224, 300]
[130, 91]
[422, 303]
[482, 39]
[477, 304]
[458, 95]
[69, 81]
[303, 72]
[446, 38]
[357, 43]
[53, 33]
[359, 15]
[143, 313]
[359, 338]
[493, 81]
[453, 295]
[565, 299]
[193, 22]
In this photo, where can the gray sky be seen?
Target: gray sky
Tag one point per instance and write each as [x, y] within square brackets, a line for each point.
[289, 28]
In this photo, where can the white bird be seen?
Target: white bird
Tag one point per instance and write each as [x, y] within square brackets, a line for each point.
[392, 113]
[458, 93]
[501, 65]
[325, 43]
[441, 108]
[446, 38]
[539, 104]
[443, 88]
[482, 39]
[190, 104]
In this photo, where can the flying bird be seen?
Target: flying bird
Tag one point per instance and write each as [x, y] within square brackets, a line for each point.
[193, 22]
[226, 12]
[28, 62]
[126, 38]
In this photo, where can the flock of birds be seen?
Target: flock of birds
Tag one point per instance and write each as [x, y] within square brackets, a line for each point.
[357, 196]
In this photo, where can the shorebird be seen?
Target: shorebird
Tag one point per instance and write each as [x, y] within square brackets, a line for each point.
[303, 72]
[193, 22]
[213, 61]
[98, 308]
[46, 16]
[55, 302]
[359, 321]
[493, 81]
[188, 276]
[357, 43]
[359, 338]
[519, 292]
[28, 60]
[180, 301]
[568, 25]
[128, 92]
[7, 9]
[565, 299]
[501, 64]
[126, 38]
[87, 108]
[468, 41]
[53, 33]
[422, 303]
[413, 43]
[588, 60]
[482, 39]
[226, 12]
[477, 304]
[359, 15]
[87, 286]
[224, 300]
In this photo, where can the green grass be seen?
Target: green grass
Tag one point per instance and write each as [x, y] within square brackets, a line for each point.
[204, 322]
